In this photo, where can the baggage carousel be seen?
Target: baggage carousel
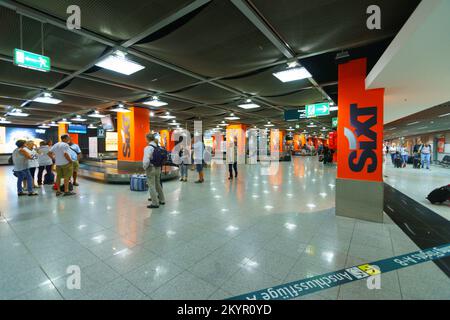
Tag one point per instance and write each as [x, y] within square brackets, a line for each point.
[106, 171]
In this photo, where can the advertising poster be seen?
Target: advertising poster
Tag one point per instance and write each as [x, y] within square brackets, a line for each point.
[93, 147]
[9, 136]
[111, 142]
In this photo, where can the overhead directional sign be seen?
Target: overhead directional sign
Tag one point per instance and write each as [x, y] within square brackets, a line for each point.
[317, 110]
[293, 115]
[31, 60]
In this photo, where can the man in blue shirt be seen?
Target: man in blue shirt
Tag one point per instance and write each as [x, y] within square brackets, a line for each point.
[75, 155]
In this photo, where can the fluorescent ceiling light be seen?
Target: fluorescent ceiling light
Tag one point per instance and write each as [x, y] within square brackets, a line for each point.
[444, 115]
[223, 124]
[311, 125]
[334, 108]
[269, 124]
[44, 126]
[232, 117]
[167, 116]
[91, 126]
[96, 114]
[47, 98]
[53, 124]
[155, 102]
[63, 121]
[292, 74]
[152, 114]
[249, 105]
[120, 109]
[415, 122]
[17, 113]
[78, 118]
[324, 129]
[119, 63]
[290, 129]
[4, 121]
[174, 124]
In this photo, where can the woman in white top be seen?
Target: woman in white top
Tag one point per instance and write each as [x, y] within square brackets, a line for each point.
[20, 160]
[45, 162]
[405, 154]
[33, 163]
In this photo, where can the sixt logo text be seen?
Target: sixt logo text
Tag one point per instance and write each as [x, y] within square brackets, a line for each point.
[368, 145]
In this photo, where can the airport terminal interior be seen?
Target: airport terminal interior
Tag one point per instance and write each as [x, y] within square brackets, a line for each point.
[302, 147]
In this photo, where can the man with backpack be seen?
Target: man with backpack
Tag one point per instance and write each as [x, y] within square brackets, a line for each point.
[154, 159]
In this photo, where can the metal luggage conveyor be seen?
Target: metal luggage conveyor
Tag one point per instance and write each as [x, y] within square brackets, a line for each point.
[108, 172]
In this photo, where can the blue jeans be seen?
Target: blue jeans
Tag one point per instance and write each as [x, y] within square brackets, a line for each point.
[405, 158]
[184, 170]
[21, 176]
[425, 158]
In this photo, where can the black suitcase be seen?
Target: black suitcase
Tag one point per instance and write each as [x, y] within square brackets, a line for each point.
[410, 160]
[398, 162]
[439, 195]
[416, 163]
[49, 178]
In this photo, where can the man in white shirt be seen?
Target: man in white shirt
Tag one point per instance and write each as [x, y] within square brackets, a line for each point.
[425, 155]
[153, 173]
[64, 166]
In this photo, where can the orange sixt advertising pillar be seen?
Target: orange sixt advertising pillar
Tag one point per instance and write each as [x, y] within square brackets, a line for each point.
[131, 129]
[359, 184]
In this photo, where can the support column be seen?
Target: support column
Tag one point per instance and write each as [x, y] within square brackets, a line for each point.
[238, 131]
[62, 129]
[359, 184]
[132, 128]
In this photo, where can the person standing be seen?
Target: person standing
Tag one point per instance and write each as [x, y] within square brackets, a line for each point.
[20, 159]
[405, 154]
[64, 167]
[425, 155]
[184, 158]
[199, 149]
[75, 154]
[152, 164]
[392, 152]
[45, 162]
[232, 155]
[33, 163]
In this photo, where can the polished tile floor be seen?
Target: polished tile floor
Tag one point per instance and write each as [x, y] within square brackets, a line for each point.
[210, 241]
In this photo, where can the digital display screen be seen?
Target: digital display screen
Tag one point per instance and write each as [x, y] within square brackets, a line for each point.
[107, 123]
[77, 128]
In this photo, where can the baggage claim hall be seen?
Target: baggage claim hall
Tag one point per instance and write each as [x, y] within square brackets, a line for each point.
[224, 149]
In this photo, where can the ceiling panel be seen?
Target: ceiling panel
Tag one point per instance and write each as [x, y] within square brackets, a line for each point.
[217, 41]
[320, 25]
[117, 20]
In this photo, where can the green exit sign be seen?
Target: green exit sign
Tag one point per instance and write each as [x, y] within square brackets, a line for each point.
[334, 122]
[31, 60]
[317, 110]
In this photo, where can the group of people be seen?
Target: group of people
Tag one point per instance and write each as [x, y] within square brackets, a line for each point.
[421, 155]
[152, 164]
[27, 158]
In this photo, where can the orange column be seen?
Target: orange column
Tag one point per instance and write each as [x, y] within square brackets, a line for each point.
[74, 137]
[238, 131]
[132, 128]
[62, 129]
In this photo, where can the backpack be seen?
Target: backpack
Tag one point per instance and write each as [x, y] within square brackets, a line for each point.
[159, 157]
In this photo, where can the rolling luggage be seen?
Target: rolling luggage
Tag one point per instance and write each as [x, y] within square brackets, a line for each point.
[49, 178]
[138, 182]
[398, 162]
[416, 163]
[410, 160]
[439, 195]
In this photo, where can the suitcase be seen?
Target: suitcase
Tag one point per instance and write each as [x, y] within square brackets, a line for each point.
[398, 162]
[410, 160]
[138, 182]
[439, 195]
[49, 178]
[416, 163]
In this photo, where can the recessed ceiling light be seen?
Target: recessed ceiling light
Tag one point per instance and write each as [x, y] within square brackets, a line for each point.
[91, 126]
[121, 109]
[53, 124]
[78, 118]
[152, 114]
[155, 102]
[4, 121]
[444, 115]
[248, 105]
[293, 74]
[47, 98]
[119, 63]
[311, 125]
[269, 124]
[223, 124]
[17, 113]
[290, 129]
[96, 114]
[44, 126]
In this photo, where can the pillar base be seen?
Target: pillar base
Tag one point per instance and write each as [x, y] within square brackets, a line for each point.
[360, 199]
